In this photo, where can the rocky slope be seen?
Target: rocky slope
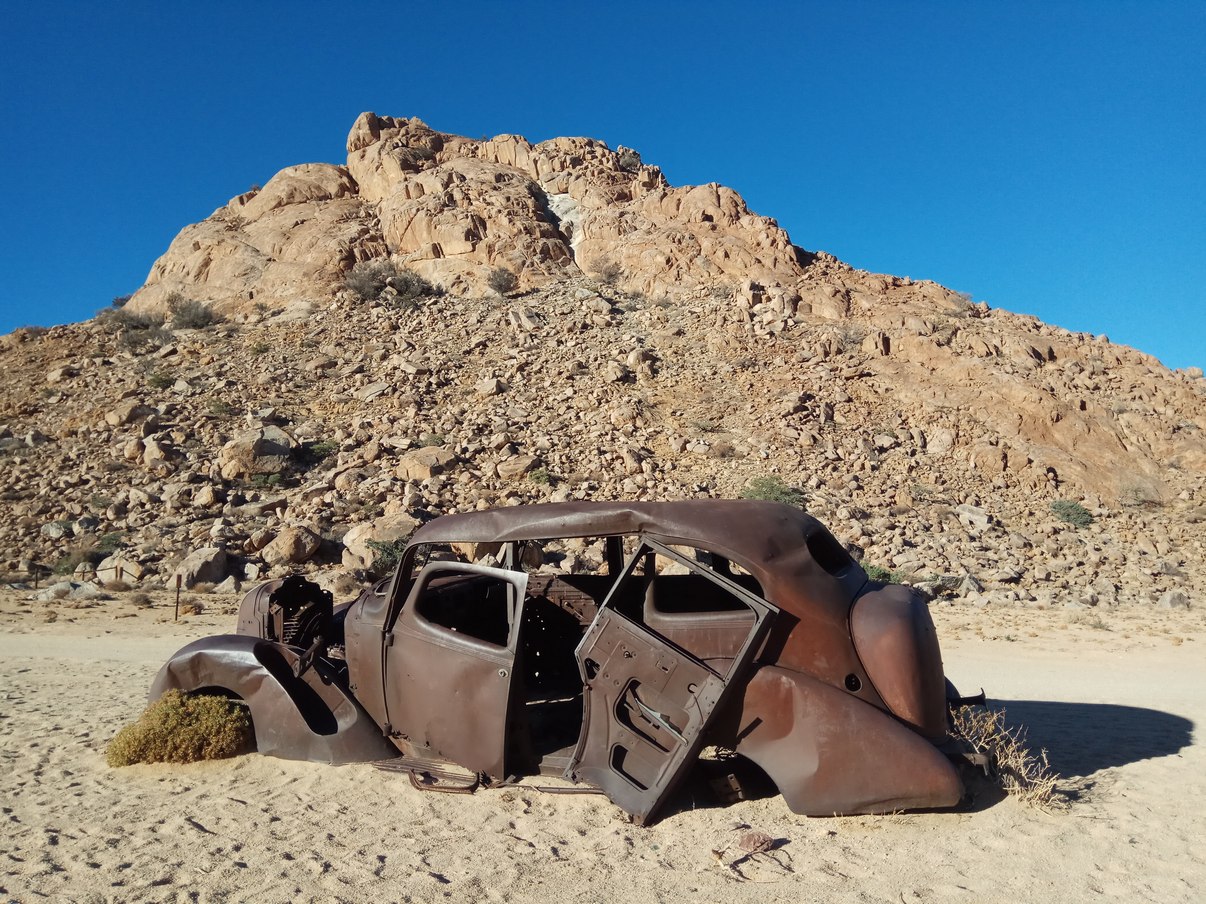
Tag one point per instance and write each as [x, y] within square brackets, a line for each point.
[663, 343]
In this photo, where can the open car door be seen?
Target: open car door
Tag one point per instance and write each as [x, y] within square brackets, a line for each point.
[450, 662]
[647, 702]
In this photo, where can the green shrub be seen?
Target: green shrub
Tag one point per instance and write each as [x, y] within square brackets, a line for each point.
[160, 380]
[879, 574]
[220, 407]
[76, 555]
[386, 555]
[266, 481]
[313, 453]
[1072, 513]
[411, 287]
[540, 476]
[182, 728]
[502, 280]
[259, 348]
[433, 439]
[772, 489]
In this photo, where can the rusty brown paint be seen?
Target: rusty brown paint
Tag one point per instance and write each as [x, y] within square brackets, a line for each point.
[831, 683]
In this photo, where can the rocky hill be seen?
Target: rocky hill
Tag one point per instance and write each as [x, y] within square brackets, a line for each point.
[658, 342]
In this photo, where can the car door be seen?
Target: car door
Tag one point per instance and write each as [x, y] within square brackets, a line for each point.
[646, 702]
[450, 662]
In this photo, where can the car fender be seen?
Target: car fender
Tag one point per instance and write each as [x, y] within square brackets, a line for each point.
[312, 717]
[832, 753]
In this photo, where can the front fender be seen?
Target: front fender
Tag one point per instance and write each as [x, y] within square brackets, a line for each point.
[832, 753]
[308, 718]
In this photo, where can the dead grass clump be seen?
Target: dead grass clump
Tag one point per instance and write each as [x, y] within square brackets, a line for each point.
[191, 607]
[142, 600]
[1018, 771]
[179, 728]
[116, 586]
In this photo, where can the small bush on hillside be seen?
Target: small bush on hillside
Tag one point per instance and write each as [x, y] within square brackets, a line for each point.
[629, 160]
[86, 552]
[312, 453]
[160, 381]
[772, 489]
[120, 301]
[411, 287]
[387, 555]
[879, 574]
[1072, 513]
[188, 314]
[368, 278]
[608, 272]
[502, 280]
[179, 728]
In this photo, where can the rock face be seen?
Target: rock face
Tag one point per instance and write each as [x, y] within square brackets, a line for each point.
[669, 344]
[454, 209]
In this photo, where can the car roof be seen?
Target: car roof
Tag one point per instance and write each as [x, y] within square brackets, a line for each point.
[790, 553]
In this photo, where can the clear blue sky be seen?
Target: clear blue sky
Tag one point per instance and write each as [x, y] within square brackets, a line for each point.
[1046, 157]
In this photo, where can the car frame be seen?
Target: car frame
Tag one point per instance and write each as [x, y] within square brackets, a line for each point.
[738, 624]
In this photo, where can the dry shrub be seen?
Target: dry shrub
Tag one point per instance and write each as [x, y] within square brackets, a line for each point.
[183, 728]
[1018, 771]
[142, 600]
[116, 586]
[191, 607]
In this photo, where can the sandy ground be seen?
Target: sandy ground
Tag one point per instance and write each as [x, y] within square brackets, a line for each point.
[1116, 698]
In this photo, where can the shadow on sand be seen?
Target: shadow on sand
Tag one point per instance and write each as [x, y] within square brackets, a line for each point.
[1084, 738]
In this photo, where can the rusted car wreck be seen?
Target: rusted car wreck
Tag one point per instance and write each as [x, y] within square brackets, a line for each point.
[656, 630]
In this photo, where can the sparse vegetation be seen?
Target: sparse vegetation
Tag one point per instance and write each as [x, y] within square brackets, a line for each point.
[1072, 513]
[136, 333]
[188, 314]
[386, 555]
[879, 574]
[220, 408]
[310, 454]
[183, 728]
[540, 476]
[266, 481]
[87, 552]
[159, 380]
[502, 281]
[120, 301]
[608, 272]
[629, 160]
[1015, 769]
[259, 348]
[772, 489]
[432, 439]
[369, 279]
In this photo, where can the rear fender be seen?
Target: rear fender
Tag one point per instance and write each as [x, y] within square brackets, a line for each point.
[308, 718]
[830, 753]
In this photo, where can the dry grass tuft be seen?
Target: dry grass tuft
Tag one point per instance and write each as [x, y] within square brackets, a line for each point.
[178, 728]
[191, 607]
[1018, 771]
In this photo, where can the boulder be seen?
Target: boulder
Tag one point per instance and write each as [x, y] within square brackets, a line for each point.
[202, 566]
[387, 529]
[425, 463]
[264, 450]
[292, 546]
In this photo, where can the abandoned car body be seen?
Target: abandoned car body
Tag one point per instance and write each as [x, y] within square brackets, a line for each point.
[739, 624]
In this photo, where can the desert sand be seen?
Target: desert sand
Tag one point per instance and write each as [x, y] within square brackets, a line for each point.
[1114, 696]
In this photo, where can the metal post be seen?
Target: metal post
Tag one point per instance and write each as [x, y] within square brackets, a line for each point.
[179, 578]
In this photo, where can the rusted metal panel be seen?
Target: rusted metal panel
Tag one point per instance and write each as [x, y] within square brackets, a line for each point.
[831, 683]
[306, 717]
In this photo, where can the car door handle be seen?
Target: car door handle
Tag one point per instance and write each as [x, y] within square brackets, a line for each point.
[657, 718]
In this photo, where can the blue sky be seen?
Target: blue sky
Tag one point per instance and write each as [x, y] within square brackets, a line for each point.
[1048, 158]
